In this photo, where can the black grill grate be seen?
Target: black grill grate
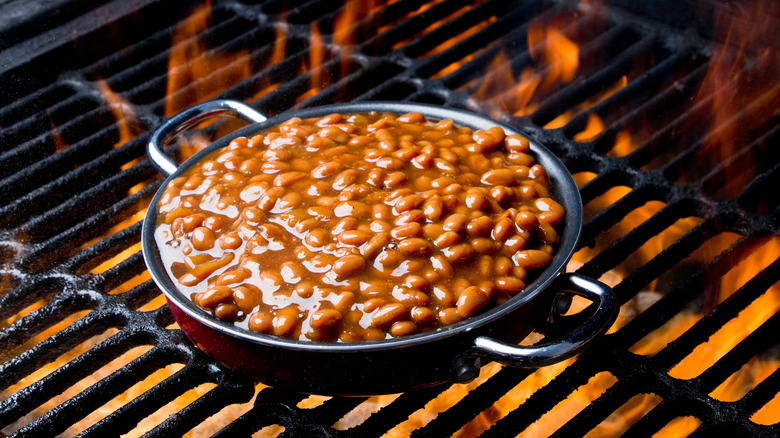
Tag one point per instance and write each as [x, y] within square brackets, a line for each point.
[79, 317]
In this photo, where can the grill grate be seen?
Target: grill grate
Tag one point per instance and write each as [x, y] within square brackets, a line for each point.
[85, 335]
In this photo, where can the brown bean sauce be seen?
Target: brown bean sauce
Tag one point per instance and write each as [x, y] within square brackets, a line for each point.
[358, 227]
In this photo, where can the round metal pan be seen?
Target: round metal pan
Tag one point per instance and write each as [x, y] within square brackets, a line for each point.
[453, 353]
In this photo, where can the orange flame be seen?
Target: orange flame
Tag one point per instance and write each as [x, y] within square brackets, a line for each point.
[123, 113]
[550, 47]
[592, 130]
[195, 72]
[556, 58]
[743, 79]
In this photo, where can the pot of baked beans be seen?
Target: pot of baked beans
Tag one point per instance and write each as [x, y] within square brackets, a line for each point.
[369, 248]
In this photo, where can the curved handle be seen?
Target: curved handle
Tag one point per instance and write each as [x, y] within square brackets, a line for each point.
[191, 117]
[467, 367]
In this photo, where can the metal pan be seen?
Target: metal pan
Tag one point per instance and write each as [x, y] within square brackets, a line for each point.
[453, 353]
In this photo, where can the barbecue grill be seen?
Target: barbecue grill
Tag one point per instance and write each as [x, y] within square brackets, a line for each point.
[667, 114]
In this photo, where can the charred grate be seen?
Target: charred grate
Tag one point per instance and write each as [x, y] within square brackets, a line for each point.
[85, 335]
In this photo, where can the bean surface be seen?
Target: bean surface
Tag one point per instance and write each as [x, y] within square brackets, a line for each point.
[359, 227]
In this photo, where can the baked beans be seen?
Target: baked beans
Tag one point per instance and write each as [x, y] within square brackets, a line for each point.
[358, 227]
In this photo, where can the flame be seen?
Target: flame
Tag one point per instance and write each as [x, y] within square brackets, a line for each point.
[592, 130]
[742, 84]
[123, 113]
[59, 143]
[624, 144]
[549, 46]
[197, 73]
[556, 58]
[318, 75]
[595, 124]
[734, 331]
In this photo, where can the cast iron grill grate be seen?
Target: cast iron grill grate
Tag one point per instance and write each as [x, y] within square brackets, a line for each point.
[85, 336]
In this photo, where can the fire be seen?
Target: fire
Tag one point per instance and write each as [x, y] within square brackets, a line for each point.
[196, 72]
[319, 77]
[556, 59]
[123, 112]
[549, 46]
[624, 144]
[742, 85]
[592, 130]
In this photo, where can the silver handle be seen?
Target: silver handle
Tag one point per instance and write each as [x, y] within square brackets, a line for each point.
[466, 367]
[191, 117]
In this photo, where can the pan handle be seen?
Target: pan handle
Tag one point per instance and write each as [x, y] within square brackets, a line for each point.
[191, 117]
[466, 367]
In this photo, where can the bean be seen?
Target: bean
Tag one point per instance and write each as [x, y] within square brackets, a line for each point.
[442, 266]
[415, 282]
[502, 266]
[352, 208]
[247, 297]
[476, 199]
[422, 315]
[513, 244]
[432, 231]
[550, 211]
[304, 289]
[412, 229]
[521, 159]
[547, 233]
[458, 253]
[409, 216]
[326, 169]
[503, 229]
[277, 155]
[526, 221]
[481, 226]
[285, 321]
[442, 182]
[388, 314]
[408, 202]
[483, 245]
[432, 208]
[411, 118]
[516, 143]
[324, 319]
[349, 266]
[268, 200]
[415, 247]
[345, 224]
[509, 284]
[230, 240]
[380, 227]
[403, 328]
[446, 240]
[498, 177]
[288, 201]
[471, 301]
[214, 296]
[375, 177]
[390, 258]
[203, 239]
[449, 316]
[455, 222]
[375, 245]
[292, 272]
[345, 178]
[532, 259]
[233, 277]
[353, 192]
[354, 237]
[261, 322]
